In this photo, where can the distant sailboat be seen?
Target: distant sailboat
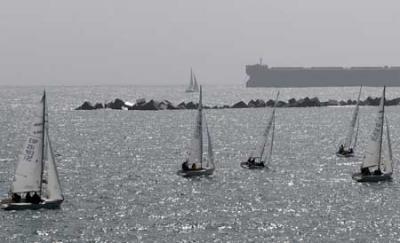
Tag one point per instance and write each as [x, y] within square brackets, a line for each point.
[193, 85]
[375, 166]
[195, 164]
[36, 170]
[350, 143]
[262, 158]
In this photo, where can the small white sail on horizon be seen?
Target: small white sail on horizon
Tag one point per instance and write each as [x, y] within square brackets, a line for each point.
[193, 85]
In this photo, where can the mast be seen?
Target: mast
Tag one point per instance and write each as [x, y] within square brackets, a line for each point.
[43, 141]
[383, 115]
[201, 127]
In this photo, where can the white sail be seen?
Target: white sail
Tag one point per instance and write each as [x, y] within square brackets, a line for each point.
[356, 136]
[30, 164]
[373, 152]
[195, 84]
[388, 161]
[268, 157]
[210, 148]
[191, 82]
[53, 183]
[196, 149]
[349, 139]
[264, 137]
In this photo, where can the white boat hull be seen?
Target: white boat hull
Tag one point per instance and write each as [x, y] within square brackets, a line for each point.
[195, 173]
[55, 204]
[371, 178]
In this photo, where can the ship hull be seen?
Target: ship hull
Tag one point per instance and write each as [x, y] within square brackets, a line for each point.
[264, 76]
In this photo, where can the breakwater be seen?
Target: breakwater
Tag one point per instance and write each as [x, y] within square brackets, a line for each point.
[142, 104]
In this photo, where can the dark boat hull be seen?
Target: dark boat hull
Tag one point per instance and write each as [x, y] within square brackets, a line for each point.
[371, 178]
[247, 165]
[345, 155]
[31, 206]
[196, 173]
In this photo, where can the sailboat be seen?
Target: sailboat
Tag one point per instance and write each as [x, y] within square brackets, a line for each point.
[350, 143]
[261, 158]
[36, 171]
[196, 164]
[193, 85]
[376, 167]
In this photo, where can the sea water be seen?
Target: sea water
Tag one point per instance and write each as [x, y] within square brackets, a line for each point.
[118, 170]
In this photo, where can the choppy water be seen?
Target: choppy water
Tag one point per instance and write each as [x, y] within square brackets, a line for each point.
[118, 171]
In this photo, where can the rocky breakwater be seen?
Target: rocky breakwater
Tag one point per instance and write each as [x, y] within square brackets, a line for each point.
[154, 105]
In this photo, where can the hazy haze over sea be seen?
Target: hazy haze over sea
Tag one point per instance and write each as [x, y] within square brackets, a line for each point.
[118, 169]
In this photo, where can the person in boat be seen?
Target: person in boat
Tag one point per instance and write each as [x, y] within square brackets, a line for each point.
[350, 151]
[194, 167]
[251, 161]
[185, 165]
[378, 172]
[28, 197]
[15, 198]
[36, 199]
[365, 171]
[341, 149]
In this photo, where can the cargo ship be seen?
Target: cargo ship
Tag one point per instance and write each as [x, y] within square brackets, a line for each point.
[264, 76]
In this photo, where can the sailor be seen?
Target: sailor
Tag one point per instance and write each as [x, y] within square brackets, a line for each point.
[15, 198]
[378, 172]
[36, 199]
[350, 150]
[28, 197]
[194, 166]
[341, 149]
[365, 171]
[185, 165]
[252, 160]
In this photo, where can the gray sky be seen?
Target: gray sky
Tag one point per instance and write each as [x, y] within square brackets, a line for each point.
[156, 42]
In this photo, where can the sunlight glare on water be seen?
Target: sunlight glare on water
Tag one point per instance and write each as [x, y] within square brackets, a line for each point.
[118, 171]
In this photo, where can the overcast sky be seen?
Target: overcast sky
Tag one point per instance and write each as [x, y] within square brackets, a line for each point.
[156, 42]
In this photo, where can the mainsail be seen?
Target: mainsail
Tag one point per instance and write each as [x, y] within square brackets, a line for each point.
[269, 155]
[29, 170]
[195, 84]
[349, 142]
[264, 137]
[191, 82]
[374, 148]
[196, 150]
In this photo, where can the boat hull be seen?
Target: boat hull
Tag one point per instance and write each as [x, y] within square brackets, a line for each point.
[346, 155]
[371, 178]
[196, 173]
[31, 206]
[247, 165]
